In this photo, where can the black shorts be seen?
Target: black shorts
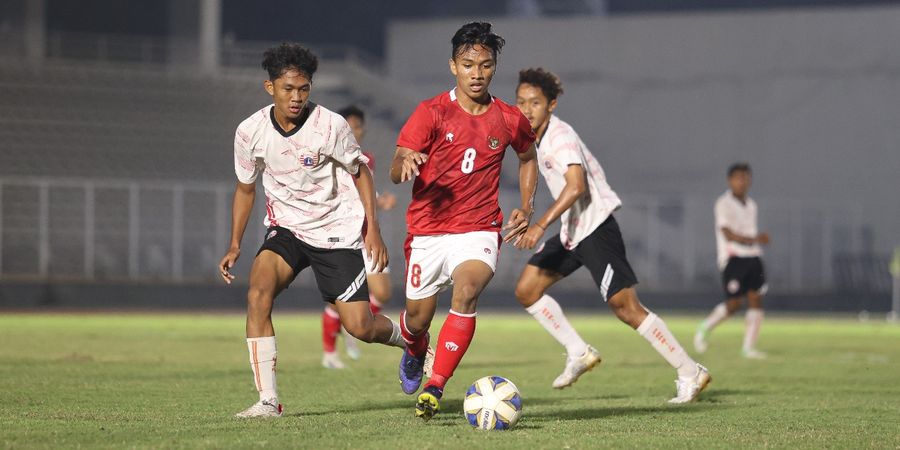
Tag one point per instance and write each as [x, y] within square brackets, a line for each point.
[340, 272]
[602, 252]
[742, 275]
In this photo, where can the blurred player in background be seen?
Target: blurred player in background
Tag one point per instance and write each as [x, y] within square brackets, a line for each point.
[452, 147]
[739, 247]
[319, 194]
[589, 237]
[379, 282]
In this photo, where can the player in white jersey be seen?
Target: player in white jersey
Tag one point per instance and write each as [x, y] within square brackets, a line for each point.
[739, 245]
[589, 237]
[379, 283]
[318, 194]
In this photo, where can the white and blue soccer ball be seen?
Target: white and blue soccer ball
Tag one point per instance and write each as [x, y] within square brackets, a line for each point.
[493, 403]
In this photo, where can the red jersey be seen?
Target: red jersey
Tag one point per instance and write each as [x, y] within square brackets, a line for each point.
[457, 190]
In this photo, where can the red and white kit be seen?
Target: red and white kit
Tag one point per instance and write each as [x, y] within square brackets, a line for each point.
[305, 192]
[457, 189]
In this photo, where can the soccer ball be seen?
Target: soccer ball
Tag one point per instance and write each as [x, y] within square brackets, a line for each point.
[493, 403]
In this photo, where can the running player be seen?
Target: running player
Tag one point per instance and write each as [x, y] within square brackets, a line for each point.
[739, 248]
[452, 147]
[589, 237]
[379, 282]
[319, 192]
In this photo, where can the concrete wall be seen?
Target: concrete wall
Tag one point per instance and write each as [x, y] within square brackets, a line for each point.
[810, 98]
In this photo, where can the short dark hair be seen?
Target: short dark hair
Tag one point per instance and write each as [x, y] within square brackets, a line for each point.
[544, 79]
[739, 167]
[476, 33]
[287, 56]
[352, 110]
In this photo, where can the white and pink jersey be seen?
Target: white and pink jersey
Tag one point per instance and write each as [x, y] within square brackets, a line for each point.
[307, 175]
[560, 148]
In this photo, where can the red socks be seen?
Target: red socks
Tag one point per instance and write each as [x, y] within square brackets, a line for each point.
[331, 326]
[374, 305]
[416, 344]
[454, 340]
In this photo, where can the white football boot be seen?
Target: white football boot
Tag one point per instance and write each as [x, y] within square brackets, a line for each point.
[700, 344]
[332, 361]
[577, 366]
[753, 354]
[687, 390]
[263, 408]
[351, 345]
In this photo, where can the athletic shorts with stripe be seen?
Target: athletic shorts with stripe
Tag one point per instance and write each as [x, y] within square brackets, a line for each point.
[340, 272]
[370, 266]
[431, 260]
[602, 252]
[742, 275]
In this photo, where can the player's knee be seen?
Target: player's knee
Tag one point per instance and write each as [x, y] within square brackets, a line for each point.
[361, 329]
[526, 294]
[258, 297]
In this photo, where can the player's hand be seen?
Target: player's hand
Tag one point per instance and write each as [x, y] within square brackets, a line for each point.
[530, 237]
[762, 238]
[376, 251]
[227, 263]
[410, 167]
[386, 201]
[517, 224]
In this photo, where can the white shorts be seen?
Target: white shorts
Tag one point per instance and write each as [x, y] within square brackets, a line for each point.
[431, 260]
[370, 266]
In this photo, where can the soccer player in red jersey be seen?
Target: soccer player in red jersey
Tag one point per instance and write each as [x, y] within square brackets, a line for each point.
[452, 148]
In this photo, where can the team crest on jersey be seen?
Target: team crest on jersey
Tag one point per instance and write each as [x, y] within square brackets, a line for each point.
[493, 143]
[309, 160]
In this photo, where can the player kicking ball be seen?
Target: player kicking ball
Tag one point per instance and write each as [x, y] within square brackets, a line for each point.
[318, 194]
[452, 147]
[590, 237]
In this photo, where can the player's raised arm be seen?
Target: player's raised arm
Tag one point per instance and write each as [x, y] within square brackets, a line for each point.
[374, 245]
[241, 205]
[519, 218]
[405, 165]
[571, 192]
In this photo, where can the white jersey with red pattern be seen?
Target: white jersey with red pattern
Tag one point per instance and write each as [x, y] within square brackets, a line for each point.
[307, 175]
[559, 148]
[740, 217]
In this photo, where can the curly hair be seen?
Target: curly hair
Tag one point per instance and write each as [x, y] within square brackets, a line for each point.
[547, 81]
[476, 33]
[287, 56]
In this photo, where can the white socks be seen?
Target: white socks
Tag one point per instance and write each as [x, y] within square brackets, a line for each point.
[396, 339]
[548, 313]
[262, 362]
[655, 331]
[754, 320]
[718, 314]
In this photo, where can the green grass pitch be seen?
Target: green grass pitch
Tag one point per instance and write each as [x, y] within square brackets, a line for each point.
[175, 381]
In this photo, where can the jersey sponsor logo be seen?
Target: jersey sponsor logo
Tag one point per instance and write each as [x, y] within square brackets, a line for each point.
[271, 234]
[452, 346]
[335, 239]
[450, 136]
[493, 143]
